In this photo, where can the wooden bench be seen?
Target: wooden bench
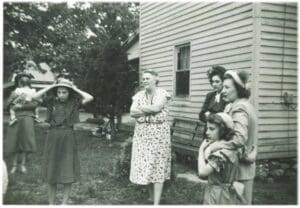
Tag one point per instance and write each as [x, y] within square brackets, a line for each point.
[186, 136]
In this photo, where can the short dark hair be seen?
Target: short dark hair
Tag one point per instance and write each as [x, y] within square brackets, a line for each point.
[242, 92]
[225, 133]
[24, 81]
[216, 71]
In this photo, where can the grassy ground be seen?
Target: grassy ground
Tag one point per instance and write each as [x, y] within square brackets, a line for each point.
[100, 184]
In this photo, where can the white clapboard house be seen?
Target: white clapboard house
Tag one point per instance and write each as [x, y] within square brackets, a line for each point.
[182, 40]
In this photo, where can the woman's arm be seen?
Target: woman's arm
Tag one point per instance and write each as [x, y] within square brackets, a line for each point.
[86, 96]
[156, 107]
[251, 156]
[135, 112]
[39, 94]
[204, 169]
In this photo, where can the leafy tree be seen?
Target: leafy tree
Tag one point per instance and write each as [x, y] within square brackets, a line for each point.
[83, 38]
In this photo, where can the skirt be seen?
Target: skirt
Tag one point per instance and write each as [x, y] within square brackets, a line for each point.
[20, 136]
[61, 161]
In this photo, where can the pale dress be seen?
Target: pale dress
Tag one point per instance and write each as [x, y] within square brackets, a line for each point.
[151, 147]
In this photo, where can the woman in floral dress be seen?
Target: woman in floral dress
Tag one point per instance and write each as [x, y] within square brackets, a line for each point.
[151, 148]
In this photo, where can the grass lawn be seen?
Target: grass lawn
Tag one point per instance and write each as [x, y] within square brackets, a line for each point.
[100, 184]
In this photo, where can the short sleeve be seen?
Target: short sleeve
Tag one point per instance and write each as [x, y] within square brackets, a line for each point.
[165, 93]
[216, 162]
[137, 96]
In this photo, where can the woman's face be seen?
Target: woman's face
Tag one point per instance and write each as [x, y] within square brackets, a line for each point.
[62, 94]
[229, 91]
[216, 83]
[149, 81]
[212, 131]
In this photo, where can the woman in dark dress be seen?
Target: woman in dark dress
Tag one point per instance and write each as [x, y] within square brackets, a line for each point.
[21, 136]
[61, 162]
[213, 101]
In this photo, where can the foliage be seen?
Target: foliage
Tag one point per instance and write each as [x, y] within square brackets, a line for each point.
[83, 38]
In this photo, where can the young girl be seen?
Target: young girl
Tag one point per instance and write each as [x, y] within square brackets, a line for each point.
[221, 167]
[22, 94]
[61, 157]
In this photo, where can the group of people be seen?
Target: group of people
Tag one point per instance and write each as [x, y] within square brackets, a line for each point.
[226, 156]
[228, 152]
[60, 160]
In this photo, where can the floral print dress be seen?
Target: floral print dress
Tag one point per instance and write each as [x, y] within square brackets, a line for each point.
[151, 146]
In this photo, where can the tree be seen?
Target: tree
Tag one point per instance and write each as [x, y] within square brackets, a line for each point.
[83, 38]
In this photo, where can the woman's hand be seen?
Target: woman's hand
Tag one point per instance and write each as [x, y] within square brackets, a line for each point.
[204, 144]
[207, 114]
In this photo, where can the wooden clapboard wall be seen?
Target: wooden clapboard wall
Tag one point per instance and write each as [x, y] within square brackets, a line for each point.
[277, 75]
[227, 34]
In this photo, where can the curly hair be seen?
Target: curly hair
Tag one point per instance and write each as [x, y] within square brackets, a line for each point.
[216, 71]
[225, 133]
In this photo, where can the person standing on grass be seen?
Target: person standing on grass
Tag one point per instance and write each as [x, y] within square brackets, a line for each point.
[221, 167]
[20, 139]
[61, 162]
[151, 145]
[236, 93]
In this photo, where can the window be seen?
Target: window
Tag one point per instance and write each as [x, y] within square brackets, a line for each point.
[182, 85]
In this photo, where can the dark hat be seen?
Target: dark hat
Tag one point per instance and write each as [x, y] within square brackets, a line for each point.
[22, 74]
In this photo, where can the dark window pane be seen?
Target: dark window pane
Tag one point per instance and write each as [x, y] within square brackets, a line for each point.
[182, 83]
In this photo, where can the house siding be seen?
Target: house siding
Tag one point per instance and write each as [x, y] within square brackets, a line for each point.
[225, 34]
[277, 75]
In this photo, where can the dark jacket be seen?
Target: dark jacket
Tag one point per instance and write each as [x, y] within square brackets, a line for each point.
[211, 106]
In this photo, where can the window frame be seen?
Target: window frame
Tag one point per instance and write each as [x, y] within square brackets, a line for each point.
[175, 69]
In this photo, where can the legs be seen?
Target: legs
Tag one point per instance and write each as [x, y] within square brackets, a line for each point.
[155, 192]
[13, 118]
[23, 162]
[67, 191]
[248, 190]
[15, 163]
[158, 187]
[52, 192]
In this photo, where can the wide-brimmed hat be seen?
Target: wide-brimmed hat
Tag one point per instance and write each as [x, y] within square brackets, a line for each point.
[22, 74]
[62, 82]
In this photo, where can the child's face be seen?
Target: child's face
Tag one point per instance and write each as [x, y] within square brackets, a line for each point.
[212, 131]
[62, 93]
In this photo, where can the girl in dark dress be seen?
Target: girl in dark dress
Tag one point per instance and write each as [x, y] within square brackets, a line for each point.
[61, 165]
[21, 136]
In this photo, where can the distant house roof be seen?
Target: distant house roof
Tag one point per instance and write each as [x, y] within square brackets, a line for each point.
[132, 47]
[131, 40]
[43, 76]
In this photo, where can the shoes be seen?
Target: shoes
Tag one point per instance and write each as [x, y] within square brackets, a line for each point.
[23, 169]
[14, 169]
[12, 121]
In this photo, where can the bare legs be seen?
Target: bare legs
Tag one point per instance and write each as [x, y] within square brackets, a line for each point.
[52, 192]
[155, 192]
[67, 191]
[15, 162]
